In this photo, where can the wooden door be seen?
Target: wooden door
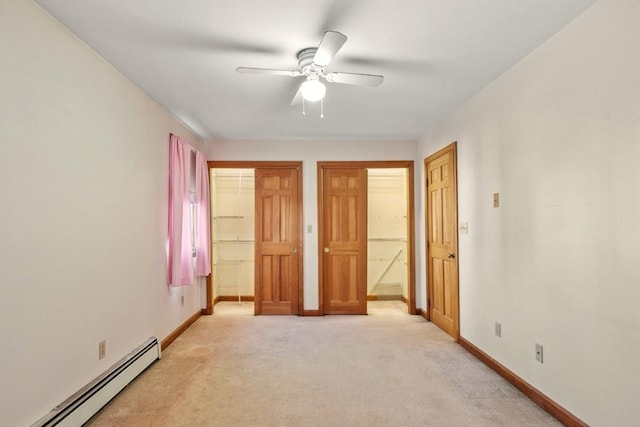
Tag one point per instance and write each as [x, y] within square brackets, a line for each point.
[442, 240]
[344, 240]
[278, 245]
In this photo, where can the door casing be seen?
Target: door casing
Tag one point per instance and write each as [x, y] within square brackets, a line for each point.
[388, 164]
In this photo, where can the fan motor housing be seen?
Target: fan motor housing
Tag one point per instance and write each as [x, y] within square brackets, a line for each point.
[305, 58]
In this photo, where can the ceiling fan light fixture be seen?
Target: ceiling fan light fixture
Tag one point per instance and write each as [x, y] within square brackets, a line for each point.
[313, 90]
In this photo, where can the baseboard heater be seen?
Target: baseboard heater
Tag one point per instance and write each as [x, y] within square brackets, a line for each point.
[84, 404]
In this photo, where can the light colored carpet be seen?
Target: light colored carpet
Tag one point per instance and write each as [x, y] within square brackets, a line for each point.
[385, 369]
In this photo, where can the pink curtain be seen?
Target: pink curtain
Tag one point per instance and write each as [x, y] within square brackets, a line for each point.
[180, 271]
[203, 234]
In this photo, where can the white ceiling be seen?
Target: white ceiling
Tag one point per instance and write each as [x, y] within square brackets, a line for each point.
[434, 54]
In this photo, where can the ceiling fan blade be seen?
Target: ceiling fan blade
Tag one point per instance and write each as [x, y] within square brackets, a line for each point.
[270, 71]
[355, 79]
[330, 44]
[297, 98]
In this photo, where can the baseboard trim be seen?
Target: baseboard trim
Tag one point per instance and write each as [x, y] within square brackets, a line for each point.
[233, 298]
[310, 313]
[384, 298]
[542, 400]
[424, 313]
[175, 334]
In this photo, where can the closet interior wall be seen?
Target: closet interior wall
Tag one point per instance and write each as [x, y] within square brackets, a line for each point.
[232, 229]
[387, 267]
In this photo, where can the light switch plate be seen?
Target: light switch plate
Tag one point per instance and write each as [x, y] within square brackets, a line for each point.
[464, 228]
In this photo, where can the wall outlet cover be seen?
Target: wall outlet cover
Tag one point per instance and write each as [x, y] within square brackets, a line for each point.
[102, 349]
[539, 353]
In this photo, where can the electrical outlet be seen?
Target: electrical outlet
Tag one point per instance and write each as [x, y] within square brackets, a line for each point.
[102, 349]
[498, 329]
[539, 353]
[309, 228]
[181, 299]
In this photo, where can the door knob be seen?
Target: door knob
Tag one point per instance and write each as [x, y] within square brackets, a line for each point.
[326, 250]
[294, 250]
[451, 255]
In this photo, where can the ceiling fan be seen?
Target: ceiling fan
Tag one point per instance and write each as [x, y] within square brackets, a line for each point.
[312, 64]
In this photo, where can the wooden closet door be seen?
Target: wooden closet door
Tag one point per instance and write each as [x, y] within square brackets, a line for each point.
[277, 241]
[344, 241]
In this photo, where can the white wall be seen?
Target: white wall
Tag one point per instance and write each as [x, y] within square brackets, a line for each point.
[558, 136]
[310, 152]
[83, 202]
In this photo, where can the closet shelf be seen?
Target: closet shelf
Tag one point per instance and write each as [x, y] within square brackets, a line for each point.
[227, 217]
[387, 239]
[233, 241]
[232, 261]
[233, 175]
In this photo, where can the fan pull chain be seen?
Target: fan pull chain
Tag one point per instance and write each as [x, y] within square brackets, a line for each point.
[322, 108]
[304, 113]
